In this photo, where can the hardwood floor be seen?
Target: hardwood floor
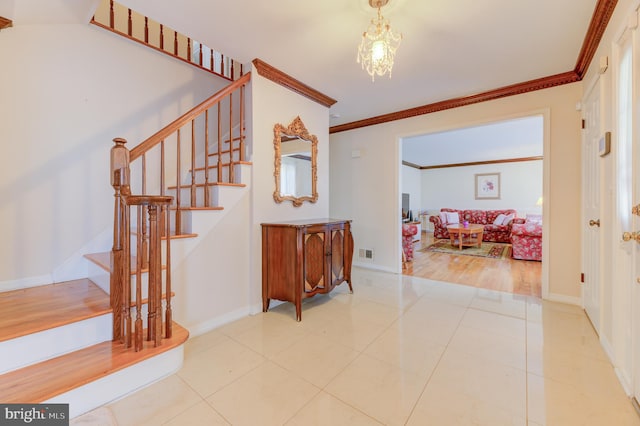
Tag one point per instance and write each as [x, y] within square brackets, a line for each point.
[508, 275]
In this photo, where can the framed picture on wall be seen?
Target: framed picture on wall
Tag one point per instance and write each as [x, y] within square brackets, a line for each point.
[487, 186]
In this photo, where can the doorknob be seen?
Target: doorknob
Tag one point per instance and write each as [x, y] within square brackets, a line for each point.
[636, 210]
[628, 236]
[594, 222]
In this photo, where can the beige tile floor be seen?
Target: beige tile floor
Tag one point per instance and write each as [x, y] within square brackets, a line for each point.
[399, 351]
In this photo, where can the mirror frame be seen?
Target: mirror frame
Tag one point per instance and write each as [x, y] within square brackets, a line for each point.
[295, 129]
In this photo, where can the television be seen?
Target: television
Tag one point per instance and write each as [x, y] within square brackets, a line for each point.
[405, 206]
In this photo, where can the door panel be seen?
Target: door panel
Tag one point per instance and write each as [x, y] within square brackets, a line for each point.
[591, 208]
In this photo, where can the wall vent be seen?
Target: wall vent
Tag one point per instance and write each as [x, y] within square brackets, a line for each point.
[365, 253]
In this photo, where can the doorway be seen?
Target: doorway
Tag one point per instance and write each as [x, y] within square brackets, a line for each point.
[446, 164]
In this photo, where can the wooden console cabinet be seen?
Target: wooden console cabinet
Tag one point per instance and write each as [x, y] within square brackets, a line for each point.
[303, 258]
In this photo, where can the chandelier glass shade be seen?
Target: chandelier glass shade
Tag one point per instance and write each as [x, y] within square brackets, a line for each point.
[379, 44]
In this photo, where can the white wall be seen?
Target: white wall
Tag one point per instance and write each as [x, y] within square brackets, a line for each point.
[67, 91]
[271, 104]
[454, 187]
[367, 188]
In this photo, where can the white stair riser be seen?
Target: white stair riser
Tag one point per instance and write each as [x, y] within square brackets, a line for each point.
[20, 352]
[121, 383]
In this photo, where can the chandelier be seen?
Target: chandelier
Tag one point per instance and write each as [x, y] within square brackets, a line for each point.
[379, 44]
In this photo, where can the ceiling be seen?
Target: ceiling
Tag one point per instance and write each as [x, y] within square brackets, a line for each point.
[450, 49]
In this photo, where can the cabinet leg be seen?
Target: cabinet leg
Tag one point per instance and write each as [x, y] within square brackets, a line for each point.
[350, 288]
[298, 312]
[265, 304]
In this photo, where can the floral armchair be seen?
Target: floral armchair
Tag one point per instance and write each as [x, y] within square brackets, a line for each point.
[526, 240]
[409, 230]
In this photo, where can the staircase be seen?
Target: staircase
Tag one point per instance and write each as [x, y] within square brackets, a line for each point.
[87, 342]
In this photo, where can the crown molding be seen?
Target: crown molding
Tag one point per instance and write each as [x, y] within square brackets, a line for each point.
[514, 89]
[599, 21]
[271, 73]
[475, 163]
[5, 23]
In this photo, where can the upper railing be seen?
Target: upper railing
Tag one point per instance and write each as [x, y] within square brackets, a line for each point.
[131, 24]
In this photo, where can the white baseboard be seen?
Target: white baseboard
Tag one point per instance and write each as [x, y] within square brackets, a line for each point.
[25, 282]
[561, 298]
[213, 323]
[375, 267]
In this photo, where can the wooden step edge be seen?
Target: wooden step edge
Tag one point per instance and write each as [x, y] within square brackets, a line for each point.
[188, 208]
[215, 166]
[46, 307]
[172, 236]
[42, 381]
[103, 260]
[201, 185]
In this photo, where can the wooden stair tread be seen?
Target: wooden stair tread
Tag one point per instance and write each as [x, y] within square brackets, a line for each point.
[173, 235]
[215, 166]
[200, 185]
[35, 309]
[187, 208]
[40, 382]
[103, 260]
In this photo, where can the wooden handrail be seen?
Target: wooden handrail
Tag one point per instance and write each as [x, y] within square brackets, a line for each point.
[162, 134]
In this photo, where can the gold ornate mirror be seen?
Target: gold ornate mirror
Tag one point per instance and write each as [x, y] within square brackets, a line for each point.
[295, 163]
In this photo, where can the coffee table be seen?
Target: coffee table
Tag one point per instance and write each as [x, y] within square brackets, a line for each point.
[466, 237]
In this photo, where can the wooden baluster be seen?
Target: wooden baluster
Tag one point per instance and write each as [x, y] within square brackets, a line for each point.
[212, 65]
[146, 29]
[143, 232]
[222, 70]
[175, 43]
[120, 182]
[178, 224]
[155, 283]
[138, 325]
[189, 58]
[126, 291]
[151, 283]
[219, 143]
[193, 163]
[168, 312]
[233, 74]
[200, 55]
[207, 202]
[130, 24]
[231, 168]
[111, 15]
[242, 148]
[165, 215]
[161, 37]
[241, 71]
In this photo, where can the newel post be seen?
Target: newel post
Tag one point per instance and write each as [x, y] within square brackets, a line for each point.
[119, 252]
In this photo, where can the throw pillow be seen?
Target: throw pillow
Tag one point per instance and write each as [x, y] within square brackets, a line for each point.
[453, 218]
[443, 218]
[537, 218]
[499, 219]
[508, 218]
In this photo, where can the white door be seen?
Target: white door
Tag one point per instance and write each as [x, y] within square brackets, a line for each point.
[591, 206]
[625, 332]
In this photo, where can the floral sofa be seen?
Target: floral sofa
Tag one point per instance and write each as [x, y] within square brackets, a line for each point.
[495, 233]
[526, 239]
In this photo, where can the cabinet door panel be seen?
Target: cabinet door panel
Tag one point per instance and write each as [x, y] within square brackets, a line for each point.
[314, 260]
[337, 256]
